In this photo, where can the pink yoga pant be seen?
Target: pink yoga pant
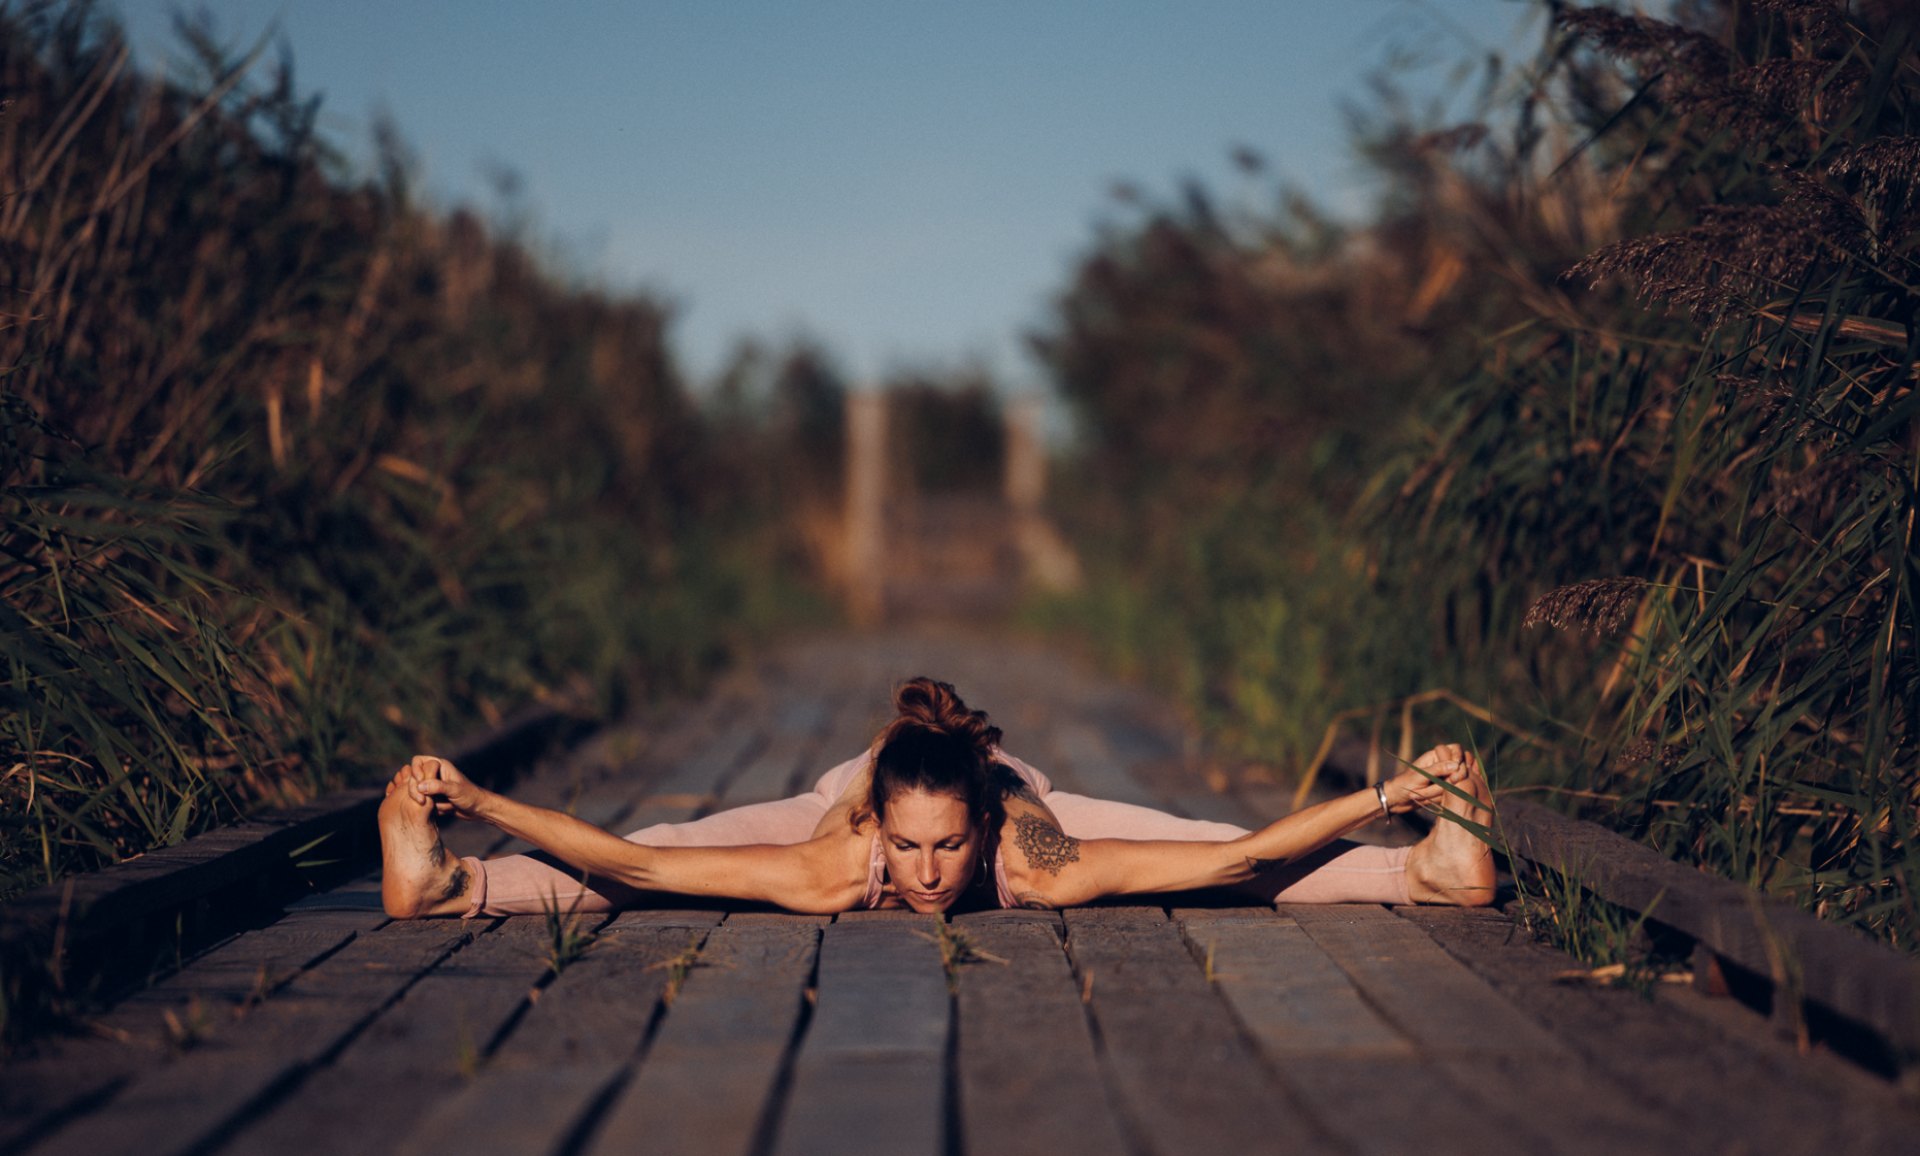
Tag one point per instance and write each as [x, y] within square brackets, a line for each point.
[1341, 873]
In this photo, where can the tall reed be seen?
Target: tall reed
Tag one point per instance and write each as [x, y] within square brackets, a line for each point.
[1648, 512]
[1722, 481]
[299, 474]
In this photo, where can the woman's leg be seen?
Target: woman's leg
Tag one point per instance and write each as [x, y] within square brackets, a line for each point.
[1341, 872]
[1085, 817]
[531, 884]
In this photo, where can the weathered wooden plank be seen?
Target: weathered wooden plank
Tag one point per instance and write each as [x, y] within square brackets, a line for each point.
[1094, 769]
[1491, 1050]
[871, 1072]
[1423, 991]
[679, 776]
[603, 780]
[642, 751]
[693, 788]
[1028, 1078]
[1153, 754]
[418, 1051]
[771, 773]
[553, 786]
[1185, 1076]
[570, 1047]
[707, 1082]
[181, 1105]
[714, 1075]
[518, 741]
[1834, 967]
[1706, 1088]
[1292, 997]
[361, 895]
[860, 709]
[1349, 1067]
[244, 971]
[112, 926]
[207, 995]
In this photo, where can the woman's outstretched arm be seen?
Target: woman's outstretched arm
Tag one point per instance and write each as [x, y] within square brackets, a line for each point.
[825, 875]
[1046, 867]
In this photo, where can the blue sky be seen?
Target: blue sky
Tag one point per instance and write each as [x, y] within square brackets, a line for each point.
[906, 182]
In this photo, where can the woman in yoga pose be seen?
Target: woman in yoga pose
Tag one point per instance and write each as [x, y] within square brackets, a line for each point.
[933, 815]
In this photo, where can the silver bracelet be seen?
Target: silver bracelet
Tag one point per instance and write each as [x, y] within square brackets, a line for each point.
[1380, 793]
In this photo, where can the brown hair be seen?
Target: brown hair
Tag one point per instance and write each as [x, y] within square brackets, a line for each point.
[936, 744]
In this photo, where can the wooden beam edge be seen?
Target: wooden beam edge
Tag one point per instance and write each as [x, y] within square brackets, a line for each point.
[1825, 963]
[250, 860]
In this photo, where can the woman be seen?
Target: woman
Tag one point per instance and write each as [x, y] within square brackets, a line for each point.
[932, 816]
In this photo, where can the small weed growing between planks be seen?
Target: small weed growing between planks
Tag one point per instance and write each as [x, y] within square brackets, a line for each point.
[190, 1026]
[1615, 946]
[568, 938]
[678, 967]
[957, 949]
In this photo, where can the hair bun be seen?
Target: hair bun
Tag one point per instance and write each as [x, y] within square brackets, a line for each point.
[936, 706]
[936, 745]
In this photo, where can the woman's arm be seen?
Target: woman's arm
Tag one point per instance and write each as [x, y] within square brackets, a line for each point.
[824, 876]
[1046, 867]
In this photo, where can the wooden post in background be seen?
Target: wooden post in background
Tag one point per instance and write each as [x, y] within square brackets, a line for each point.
[1046, 561]
[1026, 460]
[866, 506]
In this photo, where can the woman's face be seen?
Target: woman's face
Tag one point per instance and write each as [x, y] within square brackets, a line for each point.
[931, 847]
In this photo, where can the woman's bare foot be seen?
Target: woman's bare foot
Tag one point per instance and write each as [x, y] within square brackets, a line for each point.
[417, 877]
[1451, 865]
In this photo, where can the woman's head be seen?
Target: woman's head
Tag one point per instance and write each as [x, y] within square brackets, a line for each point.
[934, 793]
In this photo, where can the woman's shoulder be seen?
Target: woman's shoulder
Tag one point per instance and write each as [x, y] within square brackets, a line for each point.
[841, 860]
[1033, 780]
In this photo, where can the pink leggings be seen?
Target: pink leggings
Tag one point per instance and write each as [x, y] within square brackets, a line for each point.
[1340, 873]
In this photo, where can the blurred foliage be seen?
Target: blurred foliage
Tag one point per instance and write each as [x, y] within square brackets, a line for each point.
[1604, 432]
[779, 437]
[1233, 373]
[946, 432]
[300, 476]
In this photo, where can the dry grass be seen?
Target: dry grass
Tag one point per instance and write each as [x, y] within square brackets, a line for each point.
[298, 477]
[1666, 401]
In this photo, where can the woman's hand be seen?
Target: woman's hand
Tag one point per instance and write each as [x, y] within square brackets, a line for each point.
[1417, 787]
[439, 783]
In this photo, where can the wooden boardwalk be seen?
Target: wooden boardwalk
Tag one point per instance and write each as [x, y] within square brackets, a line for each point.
[1136, 1029]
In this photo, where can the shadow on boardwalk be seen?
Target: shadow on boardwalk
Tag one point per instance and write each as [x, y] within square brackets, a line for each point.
[1102, 1030]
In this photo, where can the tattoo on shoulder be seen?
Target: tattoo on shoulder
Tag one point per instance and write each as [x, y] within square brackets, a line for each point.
[456, 884]
[1045, 845]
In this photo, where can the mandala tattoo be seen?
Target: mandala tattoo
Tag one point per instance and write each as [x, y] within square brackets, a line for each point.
[1045, 845]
